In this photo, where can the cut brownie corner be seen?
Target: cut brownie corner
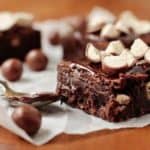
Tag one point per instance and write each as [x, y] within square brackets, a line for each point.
[110, 98]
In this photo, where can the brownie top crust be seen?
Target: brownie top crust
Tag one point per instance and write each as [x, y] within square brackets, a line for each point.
[139, 70]
[116, 58]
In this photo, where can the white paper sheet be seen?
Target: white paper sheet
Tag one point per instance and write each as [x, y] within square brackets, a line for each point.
[59, 118]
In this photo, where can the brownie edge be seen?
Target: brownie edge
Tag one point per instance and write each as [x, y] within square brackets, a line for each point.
[113, 99]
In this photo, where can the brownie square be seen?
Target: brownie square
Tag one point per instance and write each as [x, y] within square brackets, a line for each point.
[18, 41]
[113, 98]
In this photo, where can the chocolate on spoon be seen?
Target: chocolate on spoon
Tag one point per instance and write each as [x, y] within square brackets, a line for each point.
[37, 100]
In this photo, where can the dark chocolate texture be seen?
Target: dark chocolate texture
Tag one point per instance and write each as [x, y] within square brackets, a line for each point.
[113, 98]
[18, 41]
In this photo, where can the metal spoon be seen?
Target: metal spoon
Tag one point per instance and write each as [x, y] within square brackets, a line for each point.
[19, 98]
[9, 93]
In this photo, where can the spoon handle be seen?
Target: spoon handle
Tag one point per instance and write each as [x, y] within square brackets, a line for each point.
[37, 100]
[38, 97]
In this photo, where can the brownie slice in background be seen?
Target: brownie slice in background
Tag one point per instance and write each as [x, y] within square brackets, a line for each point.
[115, 87]
[17, 35]
[100, 27]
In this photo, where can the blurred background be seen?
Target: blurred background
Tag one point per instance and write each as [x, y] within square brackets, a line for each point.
[50, 9]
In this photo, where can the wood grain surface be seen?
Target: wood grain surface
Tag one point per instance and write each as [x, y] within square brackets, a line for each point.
[45, 9]
[124, 139]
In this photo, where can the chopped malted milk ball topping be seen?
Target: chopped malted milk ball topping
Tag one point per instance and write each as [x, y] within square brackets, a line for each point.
[115, 62]
[139, 48]
[23, 18]
[117, 58]
[143, 27]
[6, 21]
[129, 57]
[95, 25]
[9, 19]
[104, 54]
[147, 56]
[110, 31]
[123, 99]
[128, 16]
[92, 53]
[121, 27]
[112, 64]
[129, 19]
[98, 17]
[115, 47]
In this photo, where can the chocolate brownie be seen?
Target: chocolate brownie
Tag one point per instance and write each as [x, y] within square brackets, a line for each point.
[18, 36]
[114, 88]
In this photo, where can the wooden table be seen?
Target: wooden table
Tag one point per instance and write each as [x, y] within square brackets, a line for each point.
[124, 139]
